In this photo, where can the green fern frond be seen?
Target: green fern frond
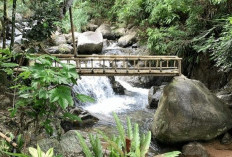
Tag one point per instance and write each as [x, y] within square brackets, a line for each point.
[172, 154]
[96, 145]
[112, 143]
[145, 143]
[84, 146]
[120, 129]
[129, 129]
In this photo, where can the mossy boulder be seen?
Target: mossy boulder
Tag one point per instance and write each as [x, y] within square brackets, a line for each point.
[188, 111]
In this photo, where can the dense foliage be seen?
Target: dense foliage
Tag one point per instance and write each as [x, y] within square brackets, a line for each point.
[183, 27]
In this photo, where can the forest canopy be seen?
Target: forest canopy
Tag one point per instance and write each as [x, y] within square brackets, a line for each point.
[180, 27]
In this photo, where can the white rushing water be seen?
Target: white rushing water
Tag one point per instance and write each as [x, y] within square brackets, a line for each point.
[106, 100]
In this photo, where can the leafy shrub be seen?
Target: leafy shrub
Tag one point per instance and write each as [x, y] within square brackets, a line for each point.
[80, 17]
[35, 153]
[47, 92]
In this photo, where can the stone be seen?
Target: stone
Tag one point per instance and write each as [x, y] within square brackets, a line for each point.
[69, 37]
[154, 95]
[58, 39]
[119, 32]
[194, 149]
[5, 102]
[106, 31]
[117, 87]
[61, 49]
[127, 40]
[227, 139]
[185, 106]
[47, 143]
[90, 42]
[86, 120]
[91, 27]
[70, 144]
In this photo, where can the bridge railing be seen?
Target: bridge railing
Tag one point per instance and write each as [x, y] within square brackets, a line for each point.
[108, 65]
[120, 65]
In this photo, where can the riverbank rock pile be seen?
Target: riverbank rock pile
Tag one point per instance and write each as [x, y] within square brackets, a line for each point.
[188, 111]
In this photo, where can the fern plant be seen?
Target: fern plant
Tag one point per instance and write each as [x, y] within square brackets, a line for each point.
[128, 143]
[34, 153]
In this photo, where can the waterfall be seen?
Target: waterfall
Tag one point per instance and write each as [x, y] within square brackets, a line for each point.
[106, 100]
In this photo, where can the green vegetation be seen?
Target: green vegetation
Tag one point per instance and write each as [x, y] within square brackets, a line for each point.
[127, 143]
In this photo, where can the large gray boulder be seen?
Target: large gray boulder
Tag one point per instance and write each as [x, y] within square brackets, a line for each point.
[58, 39]
[106, 31]
[90, 42]
[68, 146]
[188, 111]
[128, 39]
[61, 49]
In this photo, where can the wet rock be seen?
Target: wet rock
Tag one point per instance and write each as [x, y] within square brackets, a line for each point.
[69, 37]
[46, 144]
[194, 149]
[91, 27]
[62, 49]
[70, 144]
[58, 39]
[106, 31]
[154, 96]
[119, 32]
[17, 48]
[146, 81]
[225, 94]
[117, 87]
[185, 106]
[227, 139]
[87, 120]
[5, 102]
[90, 42]
[127, 40]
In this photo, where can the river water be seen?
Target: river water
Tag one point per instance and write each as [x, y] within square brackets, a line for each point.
[132, 104]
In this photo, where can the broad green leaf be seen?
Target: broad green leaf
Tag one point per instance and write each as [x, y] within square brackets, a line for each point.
[49, 153]
[84, 98]
[72, 117]
[9, 65]
[62, 95]
[43, 94]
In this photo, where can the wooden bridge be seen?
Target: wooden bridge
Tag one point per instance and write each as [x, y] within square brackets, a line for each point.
[115, 65]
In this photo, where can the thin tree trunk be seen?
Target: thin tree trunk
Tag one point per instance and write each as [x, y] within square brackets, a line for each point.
[13, 25]
[229, 5]
[72, 29]
[4, 25]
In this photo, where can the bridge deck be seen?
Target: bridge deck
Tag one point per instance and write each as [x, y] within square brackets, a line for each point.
[115, 65]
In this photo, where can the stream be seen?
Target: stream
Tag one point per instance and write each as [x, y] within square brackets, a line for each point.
[132, 104]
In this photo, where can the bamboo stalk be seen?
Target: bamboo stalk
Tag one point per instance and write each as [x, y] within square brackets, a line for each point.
[8, 140]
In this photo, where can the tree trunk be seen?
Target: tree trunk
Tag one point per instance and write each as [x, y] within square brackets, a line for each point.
[13, 24]
[72, 29]
[4, 23]
[229, 6]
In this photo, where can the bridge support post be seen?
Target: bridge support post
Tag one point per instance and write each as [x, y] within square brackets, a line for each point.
[179, 67]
